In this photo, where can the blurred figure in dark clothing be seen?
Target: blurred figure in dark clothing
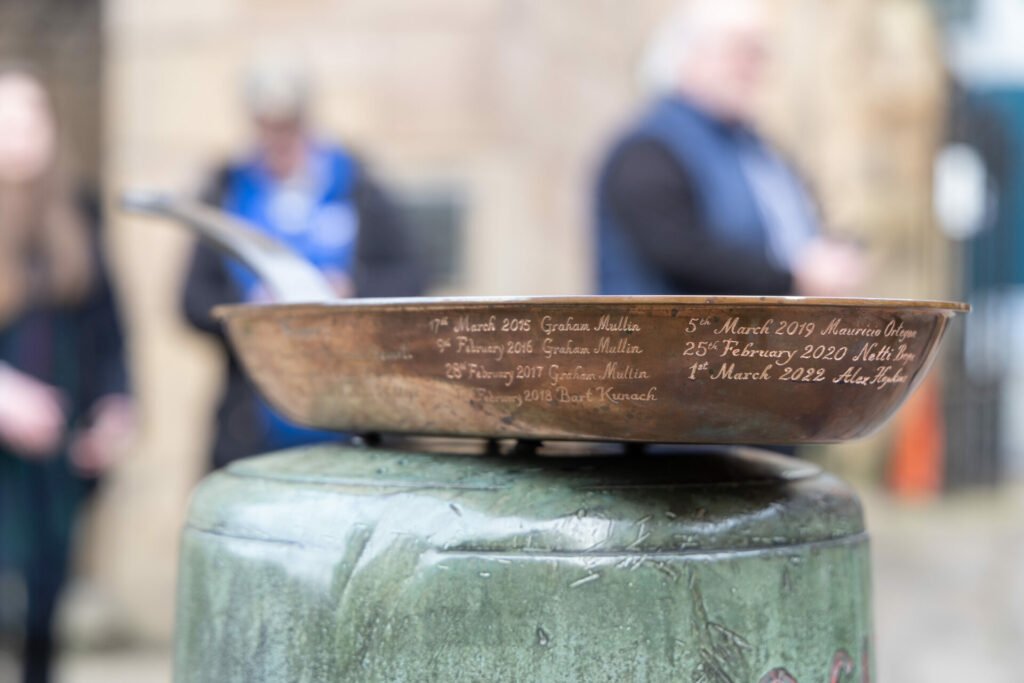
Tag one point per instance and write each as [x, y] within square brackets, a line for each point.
[691, 200]
[63, 408]
[320, 199]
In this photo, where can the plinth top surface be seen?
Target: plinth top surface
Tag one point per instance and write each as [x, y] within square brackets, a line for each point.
[668, 501]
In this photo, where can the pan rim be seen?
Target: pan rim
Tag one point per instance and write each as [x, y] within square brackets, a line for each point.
[426, 303]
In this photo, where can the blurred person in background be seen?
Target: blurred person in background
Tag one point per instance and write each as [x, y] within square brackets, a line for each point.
[64, 413]
[690, 199]
[320, 199]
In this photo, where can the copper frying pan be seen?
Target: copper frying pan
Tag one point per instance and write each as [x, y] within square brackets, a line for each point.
[673, 369]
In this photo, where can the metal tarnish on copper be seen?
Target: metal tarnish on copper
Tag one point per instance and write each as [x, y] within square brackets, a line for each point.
[659, 369]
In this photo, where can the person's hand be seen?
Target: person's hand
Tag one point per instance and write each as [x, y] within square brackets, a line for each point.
[32, 417]
[95, 449]
[829, 268]
[341, 283]
[259, 294]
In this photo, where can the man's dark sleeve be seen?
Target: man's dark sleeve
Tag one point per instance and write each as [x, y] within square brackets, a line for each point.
[387, 264]
[207, 283]
[656, 202]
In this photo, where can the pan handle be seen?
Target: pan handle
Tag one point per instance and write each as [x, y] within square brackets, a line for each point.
[289, 277]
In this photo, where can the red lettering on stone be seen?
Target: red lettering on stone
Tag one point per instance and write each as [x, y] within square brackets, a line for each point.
[778, 676]
[842, 663]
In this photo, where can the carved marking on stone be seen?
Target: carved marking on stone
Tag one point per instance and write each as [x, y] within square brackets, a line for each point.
[778, 676]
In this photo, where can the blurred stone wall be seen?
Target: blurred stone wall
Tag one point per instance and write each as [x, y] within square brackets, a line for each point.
[508, 100]
[61, 41]
[858, 101]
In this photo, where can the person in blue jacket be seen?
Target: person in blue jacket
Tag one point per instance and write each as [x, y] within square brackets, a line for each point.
[691, 199]
[320, 199]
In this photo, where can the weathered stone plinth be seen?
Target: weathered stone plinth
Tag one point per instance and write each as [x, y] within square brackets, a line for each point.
[359, 564]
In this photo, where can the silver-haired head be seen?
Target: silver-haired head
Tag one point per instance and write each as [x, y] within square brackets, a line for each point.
[277, 88]
[713, 51]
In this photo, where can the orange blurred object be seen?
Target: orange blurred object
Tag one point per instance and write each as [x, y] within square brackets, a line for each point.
[916, 463]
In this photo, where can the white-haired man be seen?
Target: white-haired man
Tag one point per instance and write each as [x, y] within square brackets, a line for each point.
[690, 200]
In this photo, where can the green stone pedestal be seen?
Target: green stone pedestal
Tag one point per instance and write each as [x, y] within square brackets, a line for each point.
[362, 564]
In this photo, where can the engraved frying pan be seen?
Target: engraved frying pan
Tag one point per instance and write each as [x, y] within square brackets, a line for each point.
[673, 369]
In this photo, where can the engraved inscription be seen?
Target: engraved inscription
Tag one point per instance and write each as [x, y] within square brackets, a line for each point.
[590, 359]
[854, 354]
[560, 359]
